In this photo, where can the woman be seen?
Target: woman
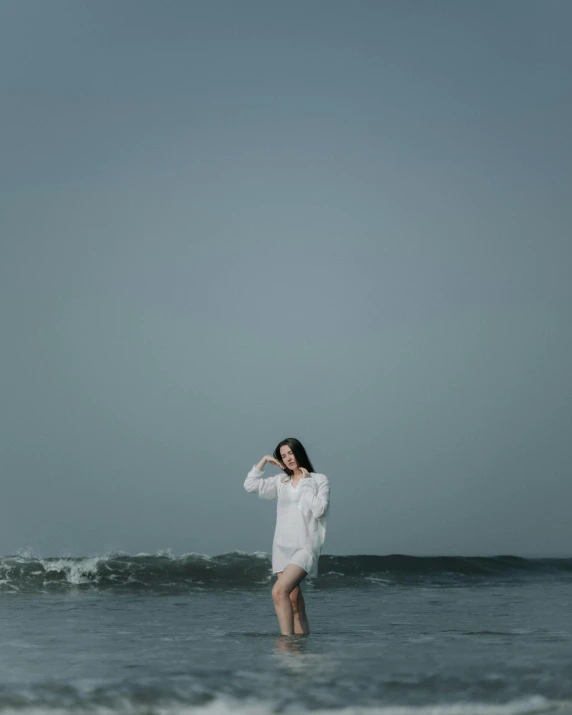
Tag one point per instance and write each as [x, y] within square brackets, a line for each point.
[303, 498]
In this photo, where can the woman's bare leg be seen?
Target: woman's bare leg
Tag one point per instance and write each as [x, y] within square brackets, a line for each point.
[287, 581]
[301, 625]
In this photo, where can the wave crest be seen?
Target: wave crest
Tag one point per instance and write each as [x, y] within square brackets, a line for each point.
[239, 569]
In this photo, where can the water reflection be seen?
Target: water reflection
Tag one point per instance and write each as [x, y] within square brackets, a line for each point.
[290, 644]
[299, 656]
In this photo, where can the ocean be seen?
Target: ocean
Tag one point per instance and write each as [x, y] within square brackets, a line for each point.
[198, 634]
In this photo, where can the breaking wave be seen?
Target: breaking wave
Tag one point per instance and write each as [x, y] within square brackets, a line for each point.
[237, 569]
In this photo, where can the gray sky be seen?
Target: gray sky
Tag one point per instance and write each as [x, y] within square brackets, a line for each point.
[226, 223]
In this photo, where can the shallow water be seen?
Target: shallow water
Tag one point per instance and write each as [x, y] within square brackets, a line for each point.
[475, 645]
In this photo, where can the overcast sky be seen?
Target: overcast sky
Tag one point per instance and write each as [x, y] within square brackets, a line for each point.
[226, 223]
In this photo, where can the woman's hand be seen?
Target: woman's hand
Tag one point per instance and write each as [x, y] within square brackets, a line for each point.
[275, 462]
[268, 459]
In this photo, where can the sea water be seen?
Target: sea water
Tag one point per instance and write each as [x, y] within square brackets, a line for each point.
[198, 634]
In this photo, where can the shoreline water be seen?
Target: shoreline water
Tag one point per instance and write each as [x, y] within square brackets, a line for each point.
[392, 635]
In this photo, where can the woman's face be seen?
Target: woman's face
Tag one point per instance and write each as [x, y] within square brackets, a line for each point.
[288, 458]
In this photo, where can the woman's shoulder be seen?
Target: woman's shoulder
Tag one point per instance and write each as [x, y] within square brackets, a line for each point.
[319, 477]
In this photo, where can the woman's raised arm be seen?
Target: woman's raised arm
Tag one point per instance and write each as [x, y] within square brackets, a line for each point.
[267, 488]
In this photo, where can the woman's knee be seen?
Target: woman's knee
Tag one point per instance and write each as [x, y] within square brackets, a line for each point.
[279, 593]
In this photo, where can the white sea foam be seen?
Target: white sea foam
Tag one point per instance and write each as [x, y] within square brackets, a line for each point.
[195, 554]
[534, 705]
[76, 570]
[524, 706]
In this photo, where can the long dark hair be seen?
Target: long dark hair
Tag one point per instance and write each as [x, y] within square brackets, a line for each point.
[299, 453]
